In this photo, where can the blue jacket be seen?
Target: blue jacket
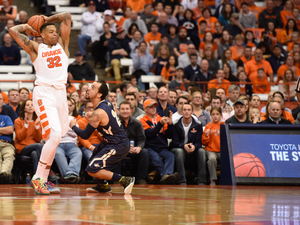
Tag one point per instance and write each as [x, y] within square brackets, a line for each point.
[115, 44]
[160, 110]
[276, 62]
[194, 135]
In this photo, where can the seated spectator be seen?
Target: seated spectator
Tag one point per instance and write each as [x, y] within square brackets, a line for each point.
[24, 94]
[287, 12]
[9, 24]
[219, 31]
[118, 49]
[198, 10]
[225, 15]
[225, 43]
[161, 59]
[276, 59]
[135, 132]
[23, 18]
[73, 111]
[261, 85]
[270, 97]
[153, 37]
[219, 5]
[228, 73]
[177, 83]
[148, 17]
[269, 15]
[68, 149]
[237, 50]
[88, 30]
[180, 101]
[134, 19]
[208, 42]
[212, 61]
[171, 19]
[247, 56]
[136, 112]
[123, 90]
[295, 40]
[270, 29]
[11, 12]
[226, 58]
[295, 16]
[184, 59]
[172, 33]
[180, 14]
[240, 113]
[126, 15]
[152, 93]
[14, 100]
[168, 71]
[7, 110]
[254, 8]
[156, 141]
[7, 150]
[75, 96]
[162, 103]
[163, 41]
[249, 39]
[287, 86]
[9, 54]
[189, 23]
[159, 9]
[255, 116]
[80, 69]
[247, 18]
[99, 51]
[295, 49]
[163, 24]
[132, 28]
[206, 15]
[286, 112]
[82, 102]
[286, 34]
[136, 5]
[258, 62]
[135, 90]
[199, 112]
[87, 146]
[28, 133]
[219, 81]
[254, 102]
[181, 42]
[234, 94]
[273, 115]
[186, 143]
[234, 28]
[211, 141]
[289, 64]
[202, 30]
[112, 97]
[246, 89]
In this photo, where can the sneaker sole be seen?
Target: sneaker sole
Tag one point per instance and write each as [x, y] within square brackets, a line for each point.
[55, 192]
[91, 190]
[128, 189]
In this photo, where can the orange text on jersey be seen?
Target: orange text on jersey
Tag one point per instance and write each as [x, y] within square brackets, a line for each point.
[51, 53]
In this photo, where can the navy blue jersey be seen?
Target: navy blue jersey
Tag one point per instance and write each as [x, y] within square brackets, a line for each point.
[113, 132]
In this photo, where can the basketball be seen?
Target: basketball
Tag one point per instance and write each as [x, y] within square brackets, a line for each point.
[248, 165]
[36, 22]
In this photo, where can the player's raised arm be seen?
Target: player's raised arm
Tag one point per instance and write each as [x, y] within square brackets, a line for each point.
[16, 33]
[64, 29]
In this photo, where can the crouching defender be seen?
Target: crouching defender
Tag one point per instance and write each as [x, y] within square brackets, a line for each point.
[115, 144]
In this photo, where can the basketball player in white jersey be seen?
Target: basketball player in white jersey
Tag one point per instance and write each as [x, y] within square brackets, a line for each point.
[50, 60]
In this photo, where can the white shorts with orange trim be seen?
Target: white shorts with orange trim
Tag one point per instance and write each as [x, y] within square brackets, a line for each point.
[50, 105]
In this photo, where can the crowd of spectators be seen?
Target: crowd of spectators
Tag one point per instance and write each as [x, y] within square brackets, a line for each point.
[213, 69]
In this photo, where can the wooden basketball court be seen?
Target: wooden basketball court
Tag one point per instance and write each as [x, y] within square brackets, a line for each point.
[152, 204]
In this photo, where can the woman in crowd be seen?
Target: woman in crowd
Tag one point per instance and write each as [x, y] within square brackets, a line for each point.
[189, 22]
[225, 43]
[208, 42]
[212, 61]
[99, 51]
[24, 94]
[287, 12]
[249, 39]
[10, 12]
[209, 19]
[28, 133]
[271, 30]
[286, 34]
[126, 15]
[287, 86]
[219, 31]
[73, 112]
[168, 71]
[255, 116]
[199, 112]
[172, 32]
[162, 58]
[74, 95]
[129, 36]
[211, 139]
[228, 74]
[225, 15]
[237, 50]
[227, 59]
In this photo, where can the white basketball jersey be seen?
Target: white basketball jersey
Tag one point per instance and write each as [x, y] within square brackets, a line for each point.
[51, 66]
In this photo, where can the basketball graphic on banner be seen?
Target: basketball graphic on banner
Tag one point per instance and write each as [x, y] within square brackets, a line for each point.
[248, 165]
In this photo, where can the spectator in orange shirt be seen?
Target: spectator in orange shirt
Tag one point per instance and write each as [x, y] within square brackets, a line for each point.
[206, 15]
[153, 37]
[253, 65]
[136, 5]
[286, 34]
[261, 85]
[159, 9]
[297, 58]
[253, 8]
[208, 42]
[296, 14]
[219, 82]
[285, 114]
[296, 48]
[202, 30]
[287, 86]
[126, 15]
[295, 40]
[247, 56]
[249, 39]
[270, 28]
[237, 50]
[289, 64]
[168, 71]
[287, 12]
[28, 133]
[198, 10]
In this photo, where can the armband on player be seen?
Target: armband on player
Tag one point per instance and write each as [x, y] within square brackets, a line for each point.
[84, 134]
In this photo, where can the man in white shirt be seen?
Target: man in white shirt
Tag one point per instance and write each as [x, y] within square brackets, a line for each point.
[234, 93]
[88, 29]
[181, 100]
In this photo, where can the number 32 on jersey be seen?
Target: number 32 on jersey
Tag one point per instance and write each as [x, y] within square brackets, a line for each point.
[54, 62]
